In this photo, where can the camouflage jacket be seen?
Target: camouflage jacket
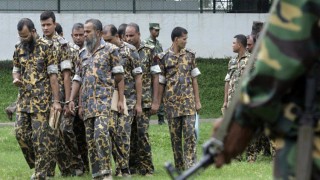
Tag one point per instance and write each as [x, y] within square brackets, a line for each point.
[131, 63]
[156, 44]
[68, 55]
[273, 95]
[177, 72]
[34, 69]
[94, 72]
[235, 73]
[149, 67]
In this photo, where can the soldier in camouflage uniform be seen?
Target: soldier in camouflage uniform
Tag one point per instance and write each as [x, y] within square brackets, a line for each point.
[140, 149]
[67, 155]
[78, 124]
[35, 69]
[120, 128]
[97, 72]
[178, 80]
[274, 93]
[154, 29]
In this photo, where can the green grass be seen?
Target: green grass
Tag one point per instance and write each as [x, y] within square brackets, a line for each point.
[211, 84]
[13, 165]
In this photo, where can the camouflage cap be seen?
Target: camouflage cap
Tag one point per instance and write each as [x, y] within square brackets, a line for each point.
[154, 25]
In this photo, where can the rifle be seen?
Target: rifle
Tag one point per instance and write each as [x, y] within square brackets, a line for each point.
[214, 146]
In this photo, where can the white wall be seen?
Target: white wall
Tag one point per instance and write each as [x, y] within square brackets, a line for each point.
[210, 35]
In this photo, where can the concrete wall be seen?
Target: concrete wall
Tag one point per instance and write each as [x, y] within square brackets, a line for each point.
[210, 35]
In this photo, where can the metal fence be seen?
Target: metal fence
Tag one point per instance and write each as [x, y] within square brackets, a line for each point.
[135, 6]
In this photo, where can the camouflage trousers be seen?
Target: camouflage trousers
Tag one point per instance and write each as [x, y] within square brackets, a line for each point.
[67, 156]
[99, 149]
[285, 159]
[261, 143]
[36, 140]
[161, 110]
[80, 132]
[140, 148]
[178, 127]
[120, 131]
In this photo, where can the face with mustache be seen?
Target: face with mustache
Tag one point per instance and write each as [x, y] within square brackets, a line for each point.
[27, 38]
[91, 37]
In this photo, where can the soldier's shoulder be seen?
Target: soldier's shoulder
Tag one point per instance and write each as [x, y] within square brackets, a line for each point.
[190, 51]
[163, 54]
[44, 41]
[130, 46]
[73, 46]
[62, 40]
[148, 46]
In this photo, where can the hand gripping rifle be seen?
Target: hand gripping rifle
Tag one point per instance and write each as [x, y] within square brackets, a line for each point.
[215, 145]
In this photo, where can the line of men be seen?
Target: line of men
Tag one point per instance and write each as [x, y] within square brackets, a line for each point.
[243, 46]
[104, 66]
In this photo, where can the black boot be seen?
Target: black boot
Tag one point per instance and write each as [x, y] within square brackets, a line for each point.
[161, 120]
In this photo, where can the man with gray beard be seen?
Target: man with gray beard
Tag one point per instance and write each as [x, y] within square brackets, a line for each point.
[98, 63]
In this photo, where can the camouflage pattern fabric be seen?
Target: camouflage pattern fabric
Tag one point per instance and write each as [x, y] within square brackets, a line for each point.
[146, 54]
[68, 157]
[99, 147]
[32, 128]
[184, 157]
[140, 148]
[235, 73]
[275, 90]
[94, 72]
[178, 94]
[120, 131]
[120, 128]
[156, 44]
[177, 72]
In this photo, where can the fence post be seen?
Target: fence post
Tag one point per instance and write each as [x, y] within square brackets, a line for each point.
[59, 6]
[134, 6]
[214, 6]
[201, 6]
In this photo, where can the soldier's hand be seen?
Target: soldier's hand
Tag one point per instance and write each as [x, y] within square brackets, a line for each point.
[80, 112]
[66, 110]
[198, 106]
[235, 143]
[17, 82]
[138, 110]
[120, 107]
[71, 107]
[154, 108]
[57, 106]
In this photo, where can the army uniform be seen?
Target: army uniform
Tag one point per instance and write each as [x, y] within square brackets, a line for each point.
[94, 73]
[157, 49]
[120, 126]
[140, 148]
[177, 73]
[33, 133]
[67, 155]
[274, 93]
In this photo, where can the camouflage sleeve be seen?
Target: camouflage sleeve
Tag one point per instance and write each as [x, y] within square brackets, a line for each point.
[78, 70]
[67, 58]
[117, 68]
[194, 69]
[16, 63]
[162, 76]
[52, 59]
[287, 51]
[155, 68]
[135, 62]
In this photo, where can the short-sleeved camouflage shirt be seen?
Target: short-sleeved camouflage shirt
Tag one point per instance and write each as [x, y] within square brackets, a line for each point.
[34, 69]
[157, 46]
[68, 55]
[177, 72]
[94, 72]
[235, 76]
[131, 63]
[149, 66]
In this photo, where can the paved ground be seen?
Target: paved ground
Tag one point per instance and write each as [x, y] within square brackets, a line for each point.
[151, 122]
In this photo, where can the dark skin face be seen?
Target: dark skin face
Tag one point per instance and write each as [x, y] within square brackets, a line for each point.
[78, 37]
[250, 44]
[154, 33]
[132, 36]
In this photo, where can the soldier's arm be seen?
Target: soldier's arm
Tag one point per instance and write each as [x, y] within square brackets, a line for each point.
[155, 71]
[137, 72]
[16, 72]
[195, 72]
[162, 80]
[117, 70]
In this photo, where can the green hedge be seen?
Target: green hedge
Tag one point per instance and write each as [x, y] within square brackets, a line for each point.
[211, 86]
